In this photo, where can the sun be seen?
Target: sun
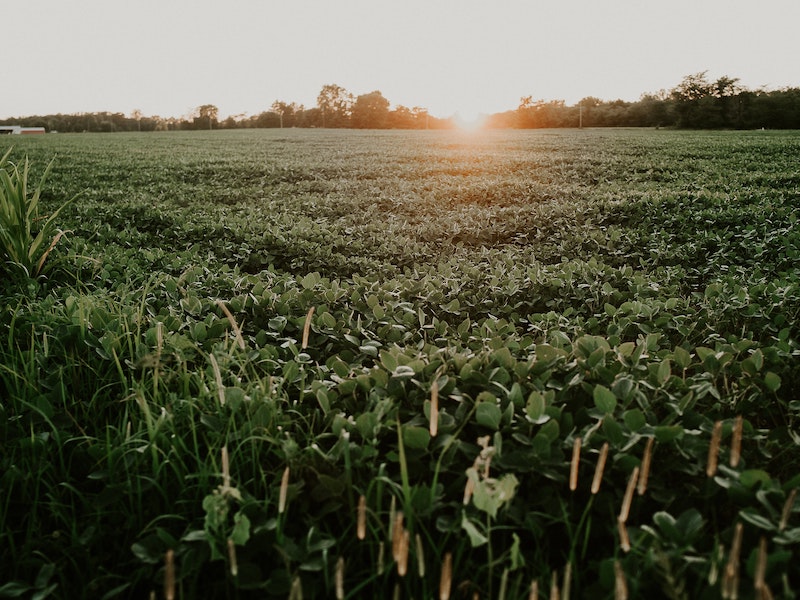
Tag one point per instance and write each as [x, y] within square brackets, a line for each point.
[468, 120]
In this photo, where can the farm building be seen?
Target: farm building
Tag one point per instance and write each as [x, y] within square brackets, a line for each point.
[19, 130]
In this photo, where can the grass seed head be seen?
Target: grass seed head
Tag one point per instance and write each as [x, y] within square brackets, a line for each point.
[420, 555]
[713, 449]
[381, 557]
[218, 379]
[624, 540]
[434, 423]
[283, 491]
[761, 568]
[169, 575]
[397, 535]
[534, 590]
[446, 578]
[340, 578]
[361, 526]
[736, 442]
[232, 558]
[787, 510]
[226, 470]
[402, 553]
[626, 501]
[576, 459]
[566, 581]
[307, 327]
[555, 594]
[730, 577]
[644, 474]
[296, 591]
[234, 325]
[598, 471]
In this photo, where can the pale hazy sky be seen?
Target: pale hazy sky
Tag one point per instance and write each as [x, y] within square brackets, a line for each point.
[166, 57]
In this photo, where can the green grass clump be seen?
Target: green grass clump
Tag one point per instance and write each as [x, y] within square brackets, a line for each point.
[26, 239]
[339, 364]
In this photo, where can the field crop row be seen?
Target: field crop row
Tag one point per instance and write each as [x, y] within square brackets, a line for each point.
[338, 364]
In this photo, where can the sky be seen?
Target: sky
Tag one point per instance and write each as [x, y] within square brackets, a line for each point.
[166, 57]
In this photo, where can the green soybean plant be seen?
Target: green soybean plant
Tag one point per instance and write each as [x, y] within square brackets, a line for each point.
[26, 239]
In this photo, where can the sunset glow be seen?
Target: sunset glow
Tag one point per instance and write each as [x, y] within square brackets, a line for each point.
[469, 121]
[166, 58]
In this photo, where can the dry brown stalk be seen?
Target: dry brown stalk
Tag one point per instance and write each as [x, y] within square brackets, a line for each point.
[736, 441]
[234, 325]
[620, 583]
[598, 471]
[626, 501]
[307, 327]
[361, 521]
[644, 474]
[434, 423]
[446, 579]
[573, 469]
[283, 491]
[169, 575]
[713, 449]
[787, 510]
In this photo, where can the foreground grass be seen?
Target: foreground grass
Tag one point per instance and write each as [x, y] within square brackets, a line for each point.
[275, 320]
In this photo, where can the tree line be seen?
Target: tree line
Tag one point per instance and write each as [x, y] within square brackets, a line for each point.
[695, 103]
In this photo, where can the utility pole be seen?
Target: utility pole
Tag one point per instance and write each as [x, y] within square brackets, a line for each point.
[580, 115]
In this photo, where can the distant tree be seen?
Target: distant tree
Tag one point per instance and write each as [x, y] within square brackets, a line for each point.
[136, 115]
[401, 118]
[205, 116]
[335, 104]
[286, 112]
[370, 111]
[540, 113]
[692, 105]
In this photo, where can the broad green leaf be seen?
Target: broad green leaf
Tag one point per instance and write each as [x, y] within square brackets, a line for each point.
[634, 419]
[535, 408]
[668, 433]
[241, 529]
[772, 381]
[754, 518]
[366, 424]
[664, 371]
[681, 357]
[613, 431]
[488, 414]
[604, 399]
[752, 477]
[416, 437]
